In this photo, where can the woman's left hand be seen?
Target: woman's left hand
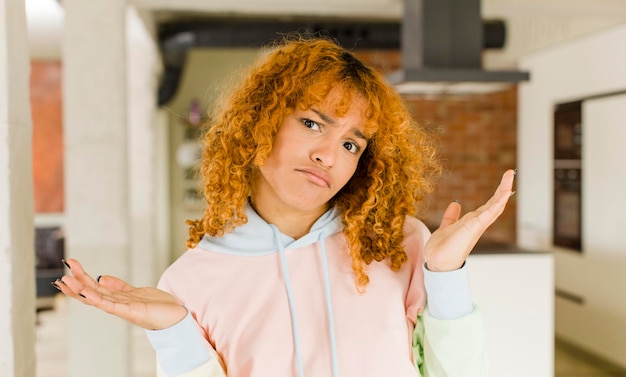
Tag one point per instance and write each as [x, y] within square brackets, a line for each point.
[449, 246]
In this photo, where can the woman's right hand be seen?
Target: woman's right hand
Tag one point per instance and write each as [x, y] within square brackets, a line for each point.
[149, 308]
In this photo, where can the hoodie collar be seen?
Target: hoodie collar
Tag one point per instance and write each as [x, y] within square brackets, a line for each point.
[256, 237]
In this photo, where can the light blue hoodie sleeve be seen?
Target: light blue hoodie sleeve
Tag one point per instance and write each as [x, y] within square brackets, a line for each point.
[181, 347]
[448, 293]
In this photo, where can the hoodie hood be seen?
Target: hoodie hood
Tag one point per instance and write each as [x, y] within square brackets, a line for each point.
[258, 237]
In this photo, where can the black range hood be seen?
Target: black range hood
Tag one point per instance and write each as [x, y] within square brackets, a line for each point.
[441, 44]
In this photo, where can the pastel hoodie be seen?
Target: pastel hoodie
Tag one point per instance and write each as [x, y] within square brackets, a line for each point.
[263, 304]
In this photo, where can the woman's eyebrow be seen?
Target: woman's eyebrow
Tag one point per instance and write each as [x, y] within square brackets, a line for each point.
[359, 134]
[324, 117]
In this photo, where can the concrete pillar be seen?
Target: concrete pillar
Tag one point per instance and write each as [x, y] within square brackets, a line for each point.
[96, 175]
[144, 67]
[17, 258]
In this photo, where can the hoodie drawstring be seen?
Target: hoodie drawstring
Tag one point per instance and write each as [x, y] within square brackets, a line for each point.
[292, 307]
[329, 310]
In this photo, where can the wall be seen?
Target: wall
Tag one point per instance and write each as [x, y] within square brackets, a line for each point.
[587, 67]
[46, 104]
[477, 135]
[17, 280]
[478, 138]
[206, 75]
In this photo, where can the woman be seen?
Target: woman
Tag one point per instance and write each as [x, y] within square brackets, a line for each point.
[309, 259]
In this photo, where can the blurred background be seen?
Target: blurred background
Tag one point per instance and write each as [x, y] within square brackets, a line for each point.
[119, 91]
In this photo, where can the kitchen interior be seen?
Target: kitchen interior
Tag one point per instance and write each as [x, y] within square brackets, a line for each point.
[548, 274]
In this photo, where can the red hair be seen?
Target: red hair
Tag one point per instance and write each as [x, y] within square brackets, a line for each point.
[394, 173]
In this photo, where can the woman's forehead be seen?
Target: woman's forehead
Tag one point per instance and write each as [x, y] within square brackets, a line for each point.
[338, 101]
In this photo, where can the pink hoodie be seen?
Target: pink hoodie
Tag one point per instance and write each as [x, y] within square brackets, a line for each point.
[273, 306]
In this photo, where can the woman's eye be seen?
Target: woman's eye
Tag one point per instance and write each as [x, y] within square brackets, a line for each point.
[351, 147]
[308, 123]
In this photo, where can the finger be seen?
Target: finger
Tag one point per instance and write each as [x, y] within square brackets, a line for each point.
[451, 214]
[72, 290]
[114, 284]
[73, 287]
[503, 193]
[505, 188]
[506, 183]
[79, 273]
[109, 304]
[493, 208]
[103, 285]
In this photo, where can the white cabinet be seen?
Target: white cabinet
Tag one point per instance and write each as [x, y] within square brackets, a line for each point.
[591, 313]
[515, 294]
[598, 275]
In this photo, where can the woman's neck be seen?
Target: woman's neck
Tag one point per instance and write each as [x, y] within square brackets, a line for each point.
[294, 224]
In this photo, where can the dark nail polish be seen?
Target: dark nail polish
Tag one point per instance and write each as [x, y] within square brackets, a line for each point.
[65, 263]
[82, 295]
[54, 284]
[98, 278]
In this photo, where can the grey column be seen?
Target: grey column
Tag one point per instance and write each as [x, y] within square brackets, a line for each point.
[17, 260]
[96, 175]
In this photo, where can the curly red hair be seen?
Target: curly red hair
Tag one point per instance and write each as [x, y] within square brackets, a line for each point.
[394, 173]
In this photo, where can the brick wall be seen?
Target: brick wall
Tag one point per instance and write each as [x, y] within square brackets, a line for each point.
[46, 107]
[478, 137]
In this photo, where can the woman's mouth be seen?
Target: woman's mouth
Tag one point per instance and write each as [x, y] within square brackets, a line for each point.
[316, 176]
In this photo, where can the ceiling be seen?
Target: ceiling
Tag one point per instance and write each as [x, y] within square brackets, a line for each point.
[531, 24]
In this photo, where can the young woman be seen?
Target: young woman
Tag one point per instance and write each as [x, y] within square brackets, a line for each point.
[309, 259]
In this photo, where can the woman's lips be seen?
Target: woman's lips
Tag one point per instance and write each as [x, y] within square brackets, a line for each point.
[316, 176]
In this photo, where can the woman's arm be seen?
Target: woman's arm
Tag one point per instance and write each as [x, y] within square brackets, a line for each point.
[179, 343]
[449, 336]
[182, 350]
[450, 347]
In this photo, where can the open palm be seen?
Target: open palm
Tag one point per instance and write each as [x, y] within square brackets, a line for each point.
[449, 246]
[149, 308]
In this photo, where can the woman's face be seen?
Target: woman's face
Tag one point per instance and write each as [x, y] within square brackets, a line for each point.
[314, 154]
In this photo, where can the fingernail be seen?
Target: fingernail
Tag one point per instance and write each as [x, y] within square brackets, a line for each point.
[65, 263]
[512, 193]
[98, 278]
[515, 172]
[82, 295]
[456, 201]
[54, 284]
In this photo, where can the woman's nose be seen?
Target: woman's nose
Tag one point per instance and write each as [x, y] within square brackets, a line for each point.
[324, 154]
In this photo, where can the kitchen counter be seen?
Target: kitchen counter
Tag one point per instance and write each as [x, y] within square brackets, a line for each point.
[514, 288]
[491, 247]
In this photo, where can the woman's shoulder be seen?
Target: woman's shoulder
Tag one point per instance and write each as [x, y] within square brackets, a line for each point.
[415, 228]
[185, 265]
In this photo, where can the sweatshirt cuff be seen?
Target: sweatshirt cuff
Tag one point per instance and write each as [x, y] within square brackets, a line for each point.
[448, 293]
[179, 348]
